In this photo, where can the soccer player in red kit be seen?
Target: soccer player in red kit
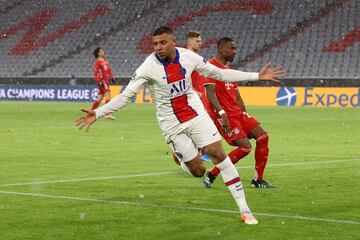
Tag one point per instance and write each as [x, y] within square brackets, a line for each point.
[233, 122]
[193, 43]
[103, 75]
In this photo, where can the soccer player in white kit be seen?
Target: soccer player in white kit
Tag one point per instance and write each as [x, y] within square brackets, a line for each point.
[182, 118]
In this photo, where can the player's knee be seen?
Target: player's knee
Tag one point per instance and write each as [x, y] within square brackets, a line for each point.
[257, 132]
[248, 146]
[263, 138]
[243, 143]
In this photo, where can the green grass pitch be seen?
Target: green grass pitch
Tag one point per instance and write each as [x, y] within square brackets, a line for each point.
[123, 183]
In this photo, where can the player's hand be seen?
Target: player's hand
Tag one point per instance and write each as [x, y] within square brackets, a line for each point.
[271, 74]
[225, 124]
[87, 120]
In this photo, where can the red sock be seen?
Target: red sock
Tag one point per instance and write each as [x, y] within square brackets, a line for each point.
[238, 153]
[235, 155]
[107, 100]
[95, 105]
[261, 155]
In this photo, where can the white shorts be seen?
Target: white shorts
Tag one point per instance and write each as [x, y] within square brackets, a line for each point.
[199, 132]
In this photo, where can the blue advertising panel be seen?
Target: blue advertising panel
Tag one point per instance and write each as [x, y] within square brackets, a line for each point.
[48, 92]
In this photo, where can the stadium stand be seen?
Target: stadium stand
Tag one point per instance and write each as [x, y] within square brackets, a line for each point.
[6, 5]
[49, 30]
[315, 51]
[302, 35]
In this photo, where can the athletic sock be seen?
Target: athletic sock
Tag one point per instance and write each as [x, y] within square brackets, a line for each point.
[239, 153]
[95, 105]
[235, 155]
[261, 156]
[232, 181]
[214, 171]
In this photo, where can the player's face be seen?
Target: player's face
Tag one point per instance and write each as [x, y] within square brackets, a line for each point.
[228, 51]
[194, 44]
[101, 53]
[164, 45]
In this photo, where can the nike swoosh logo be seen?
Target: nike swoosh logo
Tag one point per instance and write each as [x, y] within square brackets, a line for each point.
[167, 76]
[214, 134]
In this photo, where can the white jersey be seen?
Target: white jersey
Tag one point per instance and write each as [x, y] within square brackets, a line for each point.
[170, 83]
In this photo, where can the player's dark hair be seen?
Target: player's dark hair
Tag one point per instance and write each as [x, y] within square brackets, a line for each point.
[224, 40]
[192, 34]
[96, 52]
[162, 30]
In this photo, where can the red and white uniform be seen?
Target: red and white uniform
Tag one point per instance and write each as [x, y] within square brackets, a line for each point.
[181, 115]
[241, 122]
[102, 75]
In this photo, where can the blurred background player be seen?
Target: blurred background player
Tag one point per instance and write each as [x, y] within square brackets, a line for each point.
[233, 122]
[193, 43]
[103, 76]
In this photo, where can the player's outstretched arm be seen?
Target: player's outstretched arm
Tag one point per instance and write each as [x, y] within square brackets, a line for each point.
[87, 120]
[271, 74]
[135, 85]
[229, 75]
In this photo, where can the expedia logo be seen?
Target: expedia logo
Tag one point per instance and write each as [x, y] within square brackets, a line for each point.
[317, 98]
[286, 96]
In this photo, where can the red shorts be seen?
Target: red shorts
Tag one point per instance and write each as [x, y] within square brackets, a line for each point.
[241, 124]
[104, 86]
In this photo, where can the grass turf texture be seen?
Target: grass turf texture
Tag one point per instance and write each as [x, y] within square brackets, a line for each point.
[40, 143]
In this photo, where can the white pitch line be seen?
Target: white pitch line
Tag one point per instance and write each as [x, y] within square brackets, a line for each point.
[88, 179]
[164, 173]
[306, 163]
[176, 207]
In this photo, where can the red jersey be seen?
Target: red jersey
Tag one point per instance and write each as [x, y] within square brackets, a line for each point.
[198, 81]
[225, 91]
[102, 71]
